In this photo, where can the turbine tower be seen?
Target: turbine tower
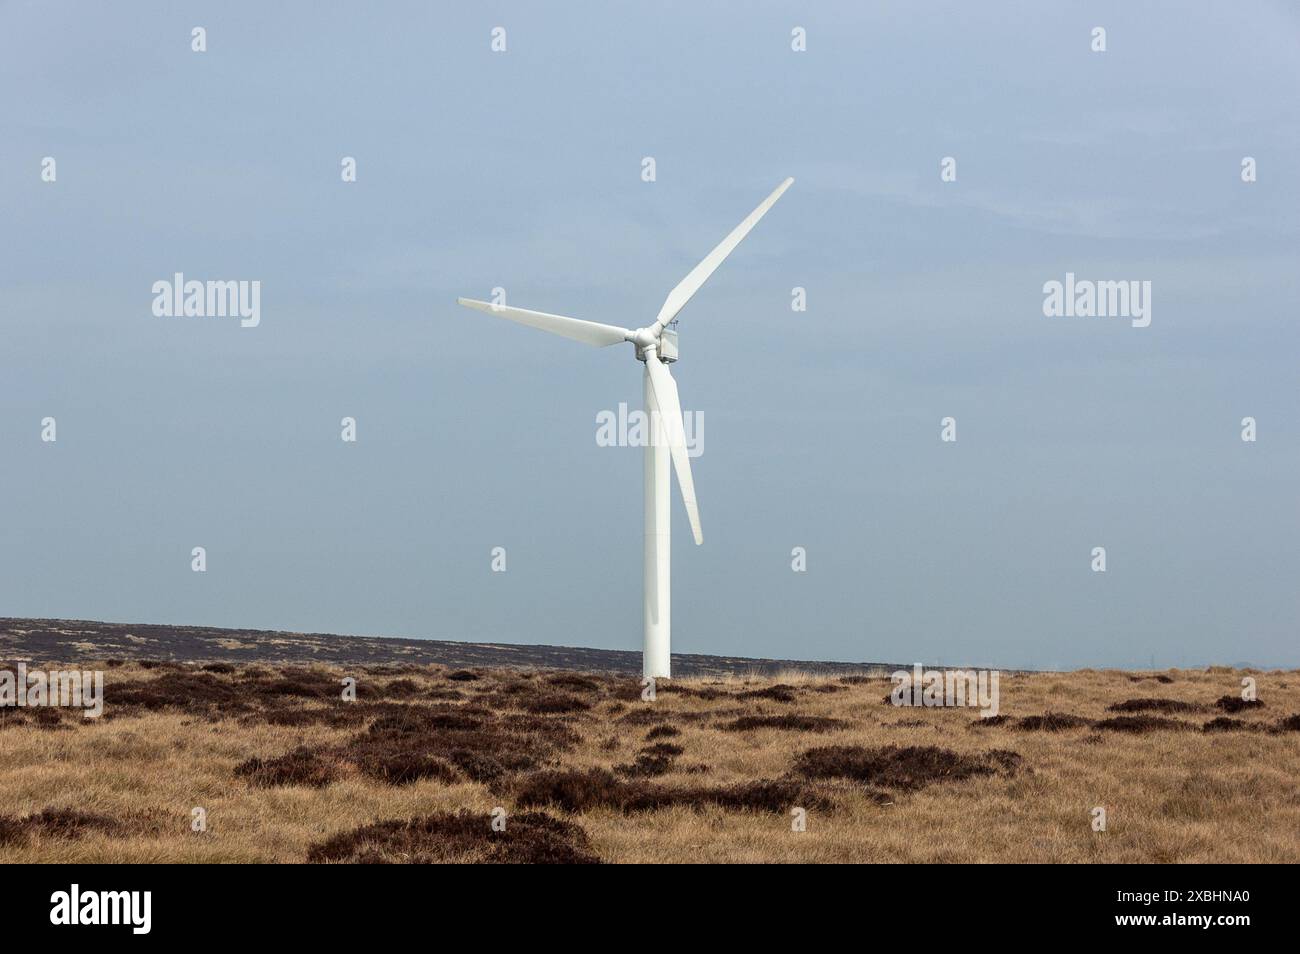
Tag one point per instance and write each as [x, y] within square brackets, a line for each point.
[656, 345]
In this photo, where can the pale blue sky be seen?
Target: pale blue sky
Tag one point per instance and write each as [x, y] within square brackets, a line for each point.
[522, 170]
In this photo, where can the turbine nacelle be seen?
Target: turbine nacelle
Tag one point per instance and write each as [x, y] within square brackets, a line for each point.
[663, 342]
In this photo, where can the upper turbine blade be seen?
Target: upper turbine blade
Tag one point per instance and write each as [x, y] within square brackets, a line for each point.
[664, 390]
[679, 296]
[588, 332]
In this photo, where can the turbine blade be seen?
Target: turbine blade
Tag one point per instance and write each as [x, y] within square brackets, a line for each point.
[664, 391]
[588, 332]
[679, 296]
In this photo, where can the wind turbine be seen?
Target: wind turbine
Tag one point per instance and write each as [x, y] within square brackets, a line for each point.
[656, 345]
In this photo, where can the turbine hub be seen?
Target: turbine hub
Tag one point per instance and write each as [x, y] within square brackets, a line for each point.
[644, 337]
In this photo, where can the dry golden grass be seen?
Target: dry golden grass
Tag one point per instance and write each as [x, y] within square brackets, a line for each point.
[1170, 796]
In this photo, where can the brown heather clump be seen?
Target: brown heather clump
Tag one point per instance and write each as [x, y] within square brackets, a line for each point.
[337, 715]
[549, 704]
[908, 768]
[445, 742]
[646, 765]
[573, 790]
[1225, 724]
[462, 838]
[42, 717]
[778, 693]
[302, 766]
[402, 688]
[1139, 725]
[788, 723]
[196, 693]
[666, 749]
[652, 760]
[1237, 704]
[1051, 722]
[704, 693]
[55, 823]
[580, 791]
[463, 675]
[574, 682]
[1167, 706]
[662, 732]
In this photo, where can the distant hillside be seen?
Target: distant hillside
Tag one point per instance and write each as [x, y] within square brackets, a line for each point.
[65, 640]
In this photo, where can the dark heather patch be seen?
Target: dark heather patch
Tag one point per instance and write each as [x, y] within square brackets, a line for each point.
[463, 675]
[1155, 705]
[625, 690]
[196, 693]
[555, 703]
[662, 732]
[580, 791]
[56, 823]
[652, 760]
[665, 749]
[1290, 724]
[429, 741]
[645, 765]
[777, 693]
[1237, 704]
[395, 669]
[302, 766]
[306, 683]
[461, 837]
[1051, 722]
[574, 682]
[340, 715]
[907, 768]
[1139, 725]
[40, 717]
[675, 689]
[988, 722]
[1225, 724]
[444, 693]
[223, 668]
[402, 688]
[789, 722]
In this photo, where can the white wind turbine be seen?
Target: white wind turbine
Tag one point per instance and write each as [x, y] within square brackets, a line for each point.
[656, 345]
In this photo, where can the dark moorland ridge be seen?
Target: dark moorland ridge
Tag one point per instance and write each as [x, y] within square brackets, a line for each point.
[69, 640]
